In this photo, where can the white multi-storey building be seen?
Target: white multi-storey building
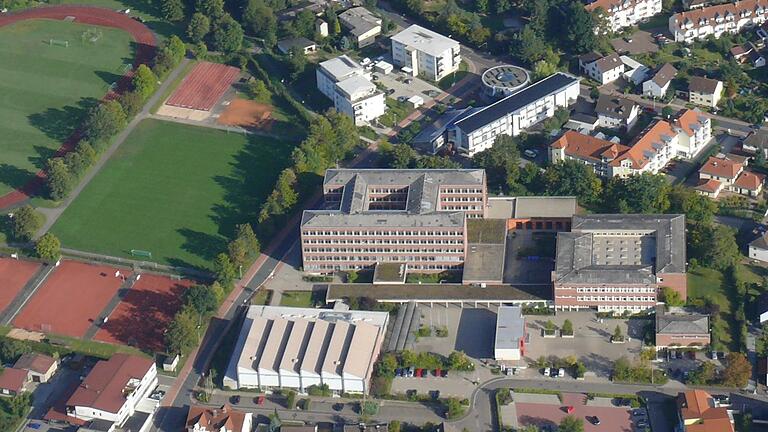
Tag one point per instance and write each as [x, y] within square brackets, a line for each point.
[514, 113]
[349, 86]
[715, 20]
[626, 13]
[425, 52]
[603, 69]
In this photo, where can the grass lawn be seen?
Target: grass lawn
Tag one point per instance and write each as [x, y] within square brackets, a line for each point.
[149, 11]
[655, 22]
[453, 78]
[46, 90]
[262, 297]
[396, 111]
[176, 191]
[707, 283]
[296, 299]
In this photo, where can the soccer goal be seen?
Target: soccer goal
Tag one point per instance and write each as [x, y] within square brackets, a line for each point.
[58, 42]
[91, 36]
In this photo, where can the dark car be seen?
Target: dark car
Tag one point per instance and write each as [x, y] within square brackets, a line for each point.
[678, 355]
[259, 400]
[338, 407]
[390, 91]
[444, 373]
[595, 420]
[234, 400]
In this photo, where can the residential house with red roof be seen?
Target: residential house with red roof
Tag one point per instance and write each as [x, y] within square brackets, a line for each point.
[698, 412]
[222, 419]
[626, 13]
[40, 366]
[113, 389]
[13, 381]
[592, 151]
[721, 173]
[716, 20]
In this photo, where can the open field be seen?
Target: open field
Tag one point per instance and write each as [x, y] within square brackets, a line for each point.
[46, 89]
[176, 191]
[142, 317]
[70, 300]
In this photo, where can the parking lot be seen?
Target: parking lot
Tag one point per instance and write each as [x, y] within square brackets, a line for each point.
[591, 342]
[402, 86]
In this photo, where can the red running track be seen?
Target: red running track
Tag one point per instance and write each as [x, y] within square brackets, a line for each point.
[204, 86]
[140, 320]
[145, 51]
[71, 299]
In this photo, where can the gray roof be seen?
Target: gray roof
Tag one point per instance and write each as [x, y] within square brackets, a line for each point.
[531, 207]
[285, 45]
[658, 247]
[341, 67]
[510, 327]
[438, 127]
[760, 242]
[664, 75]
[702, 85]
[756, 139]
[421, 203]
[425, 40]
[516, 101]
[614, 106]
[359, 20]
[679, 321]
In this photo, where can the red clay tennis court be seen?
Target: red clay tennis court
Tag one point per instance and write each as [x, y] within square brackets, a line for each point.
[14, 274]
[204, 86]
[145, 312]
[70, 299]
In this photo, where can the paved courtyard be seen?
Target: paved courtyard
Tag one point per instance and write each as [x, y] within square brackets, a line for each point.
[533, 269]
[591, 342]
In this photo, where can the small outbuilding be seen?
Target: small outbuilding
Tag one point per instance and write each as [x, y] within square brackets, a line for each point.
[13, 381]
[510, 334]
[383, 67]
[41, 367]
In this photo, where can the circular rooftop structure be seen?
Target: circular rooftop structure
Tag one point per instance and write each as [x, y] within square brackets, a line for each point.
[504, 80]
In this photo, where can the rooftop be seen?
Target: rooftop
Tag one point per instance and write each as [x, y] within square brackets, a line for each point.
[720, 167]
[588, 147]
[341, 67]
[510, 327]
[664, 75]
[359, 20]
[615, 107]
[749, 180]
[516, 101]
[13, 379]
[626, 248]
[35, 362]
[678, 321]
[214, 419]
[697, 408]
[285, 45]
[105, 386]
[425, 40]
[710, 15]
[702, 85]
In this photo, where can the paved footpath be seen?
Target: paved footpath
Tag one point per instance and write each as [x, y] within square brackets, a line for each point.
[53, 214]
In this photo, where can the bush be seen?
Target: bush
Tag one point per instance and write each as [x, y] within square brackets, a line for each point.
[48, 247]
[441, 331]
[567, 327]
[25, 223]
[454, 409]
[319, 390]
[290, 400]
[424, 331]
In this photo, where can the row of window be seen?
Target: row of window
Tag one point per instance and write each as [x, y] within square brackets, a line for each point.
[614, 299]
[385, 258]
[332, 267]
[383, 233]
[384, 242]
[462, 199]
[461, 191]
[617, 290]
[383, 250]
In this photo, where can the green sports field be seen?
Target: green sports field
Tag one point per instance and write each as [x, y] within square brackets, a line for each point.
[174, 190]
[45, 89]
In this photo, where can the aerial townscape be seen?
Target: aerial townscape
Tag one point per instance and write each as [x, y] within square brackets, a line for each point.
[383, 216]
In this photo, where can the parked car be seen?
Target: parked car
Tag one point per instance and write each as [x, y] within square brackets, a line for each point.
[691, 355]
[259, 400]
[338, 407]
[531, 153]
[437, 372]
[595, 420]
[411, 371]
[561, 372]
[390, 91]
[444, 374]
[419, 371]
[555, 373]
[642, 424]
[678, 355]
[638, 413]
[234, 400]
[546, 371]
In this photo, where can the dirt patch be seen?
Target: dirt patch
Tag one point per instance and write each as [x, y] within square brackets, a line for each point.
[246, 113]
[21, 334]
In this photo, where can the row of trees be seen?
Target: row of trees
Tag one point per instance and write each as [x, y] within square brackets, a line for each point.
[23, 226]
[200, 303]
[106, 119]
[736, 373]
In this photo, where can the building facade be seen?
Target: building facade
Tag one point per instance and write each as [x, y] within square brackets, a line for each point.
[350, 88]
[716, 20]
[597, 153]
[658, 85]
[425, 52]
[617, 263]
[363, 25]
[626, 13]
[603, 69]
[676, 327]
[514, 113]
[615, 112]
[414, 217]
[704, 91]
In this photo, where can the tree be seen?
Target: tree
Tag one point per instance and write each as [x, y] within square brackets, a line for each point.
[713, 245]
[260, 20]
[131, 102]
[227, 35]
[543, 69]
[59, 180]
[181, 335]
[244, 233]
[738, 370]
[567, 328]
[501, 163]
[104, 121]
[144, 81]
[528, 46]
[394, 426]
[703, 375]
[481, 6]
[202, 299]
[579, 28]
[453, 408]
[671, 297]
[25, 223]
[282, 198]
[617, 334]
[173, 10]
[225, 270]
[48, 247]
[11, 350]
[436, 162]
[258, 90]
[697, 208]
[297, 61]
[667, 112]
[459, 361]
[572, 178]
[645, 193]
[214, 9]
[198, 28]
[571, 424]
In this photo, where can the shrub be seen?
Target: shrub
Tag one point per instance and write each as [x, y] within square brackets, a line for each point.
[567, 327]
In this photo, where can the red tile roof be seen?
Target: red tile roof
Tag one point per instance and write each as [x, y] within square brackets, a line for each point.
[608, 4]
[710, 185]
[104, 387]
[214, 419]
[13, 379]
[703, 16]
[688, 120]
[658, 134]
[722, 168]
[38, 363]
[749, 180]
[588, 147]
[698, 405]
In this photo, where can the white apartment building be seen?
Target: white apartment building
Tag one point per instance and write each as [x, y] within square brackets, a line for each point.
[514, 113]
[626, 13]
[715, 20]
[113, 389]
[601, 69]
[422, 51]
[350, 88]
